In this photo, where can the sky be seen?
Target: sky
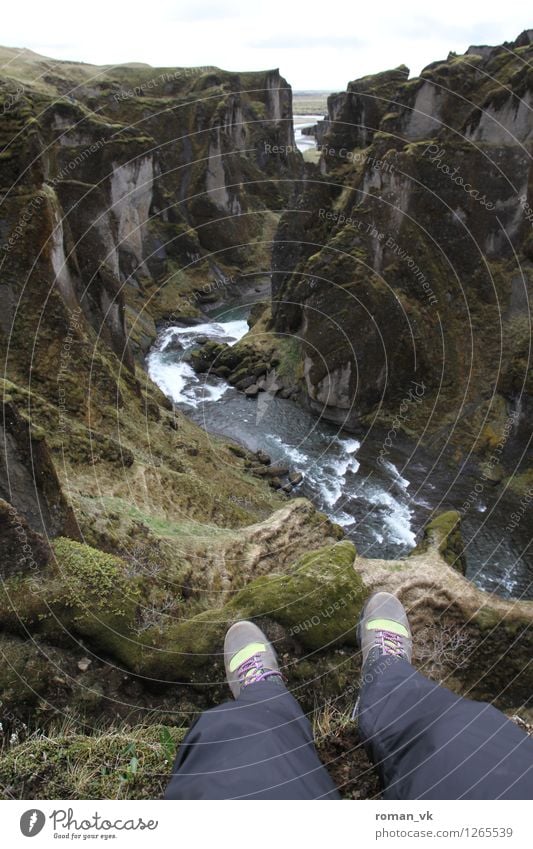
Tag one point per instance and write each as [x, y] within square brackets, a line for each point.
[316, 45]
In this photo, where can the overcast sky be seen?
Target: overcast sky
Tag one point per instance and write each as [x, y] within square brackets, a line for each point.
[316, 45]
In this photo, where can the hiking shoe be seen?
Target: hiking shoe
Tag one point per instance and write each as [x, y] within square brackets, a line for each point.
[248, 657]
[383, 629]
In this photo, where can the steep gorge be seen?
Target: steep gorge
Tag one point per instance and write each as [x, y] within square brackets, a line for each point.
[131, 537]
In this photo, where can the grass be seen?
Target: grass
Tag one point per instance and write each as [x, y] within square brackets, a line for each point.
[341, 751]
[118, 763]
[156, 522]
[330, 719]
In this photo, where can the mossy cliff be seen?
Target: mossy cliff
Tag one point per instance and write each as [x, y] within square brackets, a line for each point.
[142, 186]
[101, 605]
[131, 538]
[126, 193]
[408, 256]
[475, 644]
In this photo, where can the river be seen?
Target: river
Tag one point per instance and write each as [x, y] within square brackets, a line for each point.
[382, 507]
[301, 122]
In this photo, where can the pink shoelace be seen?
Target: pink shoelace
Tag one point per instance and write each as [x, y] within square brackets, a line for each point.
[390, 643]
[252, 671]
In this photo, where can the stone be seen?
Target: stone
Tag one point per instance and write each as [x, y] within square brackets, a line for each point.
[29, 480]
[252, 391]
[400, 125]
[245, 383]
[174, 343]
[444, 533]
[277, 471]
[295, 478]
[22, 550]
[280, 470]
[221, 371]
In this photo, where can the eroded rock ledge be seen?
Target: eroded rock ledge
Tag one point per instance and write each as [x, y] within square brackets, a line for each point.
[309, 605]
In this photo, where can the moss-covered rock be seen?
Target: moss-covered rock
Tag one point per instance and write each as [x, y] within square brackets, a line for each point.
[444, 533]
[316, 606]
[318, 603]
[125, 613]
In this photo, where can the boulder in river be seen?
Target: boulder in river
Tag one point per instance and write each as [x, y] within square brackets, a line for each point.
[174, 343]
[221, 371]
[245, 383]
[280, 470]
[295, 478]
[277, 471]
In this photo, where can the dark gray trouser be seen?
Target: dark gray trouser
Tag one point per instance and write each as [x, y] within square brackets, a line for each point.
[429, 743]
[259, 746]
[426, 742]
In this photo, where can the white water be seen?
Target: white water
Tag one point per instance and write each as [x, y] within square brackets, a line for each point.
[380, 505]
[327, 460]
[303, 121]
[175, 377]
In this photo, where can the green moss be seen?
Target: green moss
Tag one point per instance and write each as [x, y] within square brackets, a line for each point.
[190, 645]
[89, 574]
[486, 618]
[124, 764]
[522, 485]
[318, 602]
[444, 533]
[24, 674]
[288, 351]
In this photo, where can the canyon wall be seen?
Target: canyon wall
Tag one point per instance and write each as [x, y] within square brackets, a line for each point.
[409, 255]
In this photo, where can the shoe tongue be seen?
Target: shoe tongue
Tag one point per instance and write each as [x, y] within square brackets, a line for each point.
[387, 625]
[245, 654]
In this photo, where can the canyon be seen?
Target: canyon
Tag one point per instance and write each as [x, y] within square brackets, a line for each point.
[132, 200]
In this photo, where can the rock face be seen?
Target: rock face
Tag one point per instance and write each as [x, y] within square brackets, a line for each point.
[132, 180]
[116, 189]
[28, 479]
[409, 254]
[444, 533]
[129, 537]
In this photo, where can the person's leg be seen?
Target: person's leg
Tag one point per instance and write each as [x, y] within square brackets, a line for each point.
[427, 742]
[259, 746]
